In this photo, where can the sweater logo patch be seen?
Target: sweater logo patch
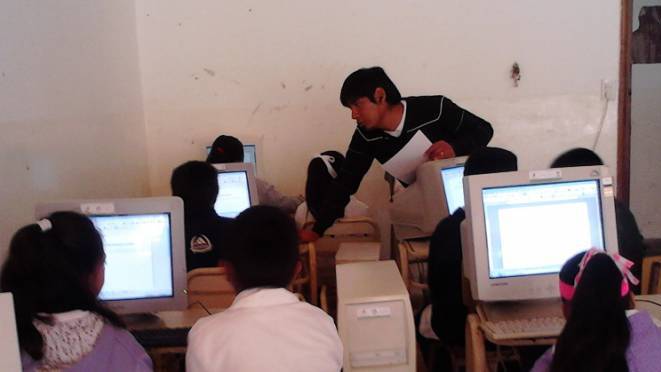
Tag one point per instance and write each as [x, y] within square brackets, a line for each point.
[200, 244]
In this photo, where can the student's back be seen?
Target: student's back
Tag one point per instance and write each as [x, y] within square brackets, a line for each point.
[55, 270]
[195, 182]
[267, 328]
[602, 333]
[322, 169]
[448, 314]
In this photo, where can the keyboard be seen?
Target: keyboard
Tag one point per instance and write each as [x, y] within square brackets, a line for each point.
[524, 328]
[161, 337]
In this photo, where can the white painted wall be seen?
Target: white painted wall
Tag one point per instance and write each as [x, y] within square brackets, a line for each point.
[70, 102]
[645, 185]
[274, 69]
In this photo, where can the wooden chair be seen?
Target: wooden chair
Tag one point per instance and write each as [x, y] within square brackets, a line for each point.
[347, 230]
[210, 287]
[651, 274]
[413, 253]
[308, 276]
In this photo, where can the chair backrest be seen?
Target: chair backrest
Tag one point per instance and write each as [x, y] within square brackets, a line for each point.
[360, 229]
[209, 286]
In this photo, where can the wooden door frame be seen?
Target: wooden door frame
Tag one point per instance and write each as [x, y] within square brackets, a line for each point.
[624, 104]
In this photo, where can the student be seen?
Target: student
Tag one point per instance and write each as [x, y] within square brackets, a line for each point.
[267, 328]
[55, 270]
[322, 170]
[196, 183]
[228, 149]
[386, 124]
[602, 332]
[448, 312]
[629, 239]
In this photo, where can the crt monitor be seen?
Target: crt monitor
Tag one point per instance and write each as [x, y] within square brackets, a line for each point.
[436, 193]
[143, 239]
[521, 227]
[237, 188]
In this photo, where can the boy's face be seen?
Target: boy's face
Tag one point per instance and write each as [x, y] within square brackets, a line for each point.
[368, 114]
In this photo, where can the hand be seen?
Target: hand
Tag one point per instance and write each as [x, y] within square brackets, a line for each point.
[440, 150]
[306, 236]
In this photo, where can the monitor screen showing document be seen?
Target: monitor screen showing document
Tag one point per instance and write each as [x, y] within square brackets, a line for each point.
[233, 193]
[454, 187]
[138, 251]
[534, 229]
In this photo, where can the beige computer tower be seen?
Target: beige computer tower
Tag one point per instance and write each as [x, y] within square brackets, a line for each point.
[375, 318]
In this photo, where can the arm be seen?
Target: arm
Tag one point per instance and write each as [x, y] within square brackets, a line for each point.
[463, 130]
[357, 163]
[268, 195]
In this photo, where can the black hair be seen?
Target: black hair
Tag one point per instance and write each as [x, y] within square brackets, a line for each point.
[226, 149]
[596, 335]
[577, 157]
[263, 248]
[51, 272]
[319, 180]
[486, 160]
[196, 183]
[363, 83]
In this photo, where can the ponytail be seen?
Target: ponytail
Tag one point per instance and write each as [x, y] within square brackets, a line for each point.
[596, 335]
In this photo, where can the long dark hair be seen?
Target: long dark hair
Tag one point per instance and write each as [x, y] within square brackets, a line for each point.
[596, 335]
[319, 180]
[50, 272]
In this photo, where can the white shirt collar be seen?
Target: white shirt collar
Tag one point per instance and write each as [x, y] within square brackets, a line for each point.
[398, 131]
[263, 296]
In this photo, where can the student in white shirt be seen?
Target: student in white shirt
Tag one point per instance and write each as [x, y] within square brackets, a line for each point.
[322, 170]
[266, 328]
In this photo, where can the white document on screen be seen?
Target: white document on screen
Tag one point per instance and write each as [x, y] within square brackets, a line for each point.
[404, 163]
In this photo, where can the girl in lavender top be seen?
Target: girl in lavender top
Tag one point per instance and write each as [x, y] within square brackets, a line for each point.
[55, 270]
[603, 332]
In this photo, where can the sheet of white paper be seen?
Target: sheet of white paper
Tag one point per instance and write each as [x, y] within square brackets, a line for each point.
[406, 161]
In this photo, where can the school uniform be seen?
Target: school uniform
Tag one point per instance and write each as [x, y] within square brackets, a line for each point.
[81, 341]
[265, 329]
[436, 117]
[205, 232]
[642, 355]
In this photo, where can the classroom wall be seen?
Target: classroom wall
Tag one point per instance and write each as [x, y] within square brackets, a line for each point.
[646, 139]
[70, 102]
[274, 69]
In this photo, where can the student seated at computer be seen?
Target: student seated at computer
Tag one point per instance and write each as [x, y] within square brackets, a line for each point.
[603, 332]
[55, 270]
[267, 328]
[228, 149]
[196, 183]
[629, 239]
[448, 312]
[322, 170]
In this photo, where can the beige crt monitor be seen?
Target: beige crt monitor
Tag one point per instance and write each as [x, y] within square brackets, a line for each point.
[375, 318]
[436, 193]
[521, 227]
[10, 357]
[144, 242]
[237, 188]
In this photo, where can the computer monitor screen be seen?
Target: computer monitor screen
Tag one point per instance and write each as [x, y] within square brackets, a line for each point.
[250, 154]
[144, 243]
[138, 256]
[233, 193]
[237, 188]
[453, 187]
[534, 229]
[521, 227]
